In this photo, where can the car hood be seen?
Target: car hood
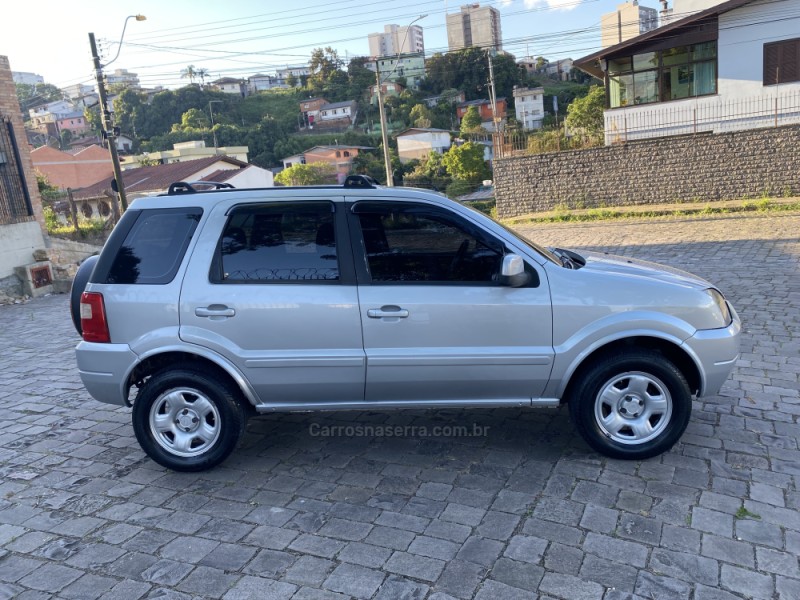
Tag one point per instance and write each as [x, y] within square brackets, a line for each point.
[599, 262]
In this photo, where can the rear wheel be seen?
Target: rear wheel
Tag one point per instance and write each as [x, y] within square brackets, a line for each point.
[188, 421]
[632, 406]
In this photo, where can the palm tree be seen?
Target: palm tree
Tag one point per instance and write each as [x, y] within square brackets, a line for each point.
[202, 74]
[189, 72]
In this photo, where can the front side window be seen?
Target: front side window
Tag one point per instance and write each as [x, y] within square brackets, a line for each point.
[278, 243]
[415, 243]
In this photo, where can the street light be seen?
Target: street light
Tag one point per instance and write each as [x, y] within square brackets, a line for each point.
[387, 161]
[211, 112]
[109, 132]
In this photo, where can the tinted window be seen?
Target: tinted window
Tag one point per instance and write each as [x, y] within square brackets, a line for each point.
[280, 242]
[154, 247]
[416, 243]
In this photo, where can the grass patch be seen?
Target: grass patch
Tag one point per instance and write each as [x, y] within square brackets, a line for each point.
[561, 214]
[743, 513]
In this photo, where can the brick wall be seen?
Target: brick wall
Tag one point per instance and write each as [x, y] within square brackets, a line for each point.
[708, 167]
[9, 106]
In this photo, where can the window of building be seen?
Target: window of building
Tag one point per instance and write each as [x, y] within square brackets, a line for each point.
[782, 62]
[672, 74]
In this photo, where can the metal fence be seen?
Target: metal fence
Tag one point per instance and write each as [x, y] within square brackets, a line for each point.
[701, 115]
[683, 117]
[15, 202]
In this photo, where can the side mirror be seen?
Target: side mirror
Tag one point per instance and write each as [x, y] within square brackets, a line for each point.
[513, 272]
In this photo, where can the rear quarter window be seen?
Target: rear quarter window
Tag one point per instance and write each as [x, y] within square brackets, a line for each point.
[154, 247]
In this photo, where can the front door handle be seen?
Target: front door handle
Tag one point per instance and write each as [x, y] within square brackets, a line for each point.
[389, 311]
[215, 310]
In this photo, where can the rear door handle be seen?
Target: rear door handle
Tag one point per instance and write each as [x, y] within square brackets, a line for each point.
[389, 311]
[215, 310]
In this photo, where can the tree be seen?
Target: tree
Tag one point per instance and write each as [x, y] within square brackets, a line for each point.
[291, 80]
[66, 138]
[586, 114]
[466, 162]
[189, 72]
[34, 95]
[471, 121]
[202, 74]
[93, 118]
[194, 118]
[421, 116]
[468, 70]
[312, 174]
[541, 62]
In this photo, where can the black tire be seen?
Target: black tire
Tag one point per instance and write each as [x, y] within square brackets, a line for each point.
[631, 406]
[78, 285]
[186, 420]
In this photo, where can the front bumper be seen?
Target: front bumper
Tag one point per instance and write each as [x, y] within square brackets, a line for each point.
[716, 352]
[104, 370]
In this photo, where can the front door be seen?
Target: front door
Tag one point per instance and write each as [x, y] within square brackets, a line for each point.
[438, 323]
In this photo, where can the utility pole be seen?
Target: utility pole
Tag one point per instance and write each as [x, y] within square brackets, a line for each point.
[214, 131]
[387, 160]
[108, 130]
[496, 135]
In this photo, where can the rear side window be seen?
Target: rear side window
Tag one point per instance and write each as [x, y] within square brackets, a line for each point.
[154, 247]
[278, 243]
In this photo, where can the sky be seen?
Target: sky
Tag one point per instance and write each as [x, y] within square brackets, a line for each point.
[241, 38]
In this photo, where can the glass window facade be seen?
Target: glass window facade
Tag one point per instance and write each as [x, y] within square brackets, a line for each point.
[680, 72]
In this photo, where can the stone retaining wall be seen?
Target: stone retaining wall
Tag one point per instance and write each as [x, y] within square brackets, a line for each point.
[707, 167]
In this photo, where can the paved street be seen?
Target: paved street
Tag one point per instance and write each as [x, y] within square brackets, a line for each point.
[521, 510]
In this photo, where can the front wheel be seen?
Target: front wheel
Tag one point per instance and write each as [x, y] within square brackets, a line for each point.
[631, 406]
[186, 420]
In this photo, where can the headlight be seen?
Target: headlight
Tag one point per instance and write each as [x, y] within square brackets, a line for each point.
[722, 306]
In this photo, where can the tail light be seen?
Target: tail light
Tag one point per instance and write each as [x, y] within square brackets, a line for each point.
[93, 318]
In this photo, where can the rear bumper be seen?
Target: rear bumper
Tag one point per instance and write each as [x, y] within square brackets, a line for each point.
[104, 369]
[716, 351]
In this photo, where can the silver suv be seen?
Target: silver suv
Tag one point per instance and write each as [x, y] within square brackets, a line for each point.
[216, 305]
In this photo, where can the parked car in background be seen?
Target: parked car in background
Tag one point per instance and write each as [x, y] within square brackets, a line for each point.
[207, 307]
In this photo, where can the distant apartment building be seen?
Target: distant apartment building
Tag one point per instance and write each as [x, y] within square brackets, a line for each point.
[628, 21]
[26, 78]
[396, 40]
[123, 78]
[297, 72]
[529, 107]
[410, 67]
[79, 90]
[474, 26]
[260, 82]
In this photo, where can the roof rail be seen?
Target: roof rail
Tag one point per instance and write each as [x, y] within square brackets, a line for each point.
[190, 187]
[360, 181]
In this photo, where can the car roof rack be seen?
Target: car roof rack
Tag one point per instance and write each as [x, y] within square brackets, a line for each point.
[360, 181]
[190, 187]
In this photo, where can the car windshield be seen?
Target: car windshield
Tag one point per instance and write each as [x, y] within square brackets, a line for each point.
[548, 254]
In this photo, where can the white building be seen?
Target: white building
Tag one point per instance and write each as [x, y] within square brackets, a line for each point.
[26, 78]
[296, 72]
[122, 77]
[396, 40]
[730, 67]
[418, 142]
[529, 107]
[230, 85]
[410, 67]
[260, 83]
[78, 90]
[338, 111]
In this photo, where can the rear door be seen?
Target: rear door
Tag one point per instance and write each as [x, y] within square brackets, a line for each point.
[438, 324]
[275, 294]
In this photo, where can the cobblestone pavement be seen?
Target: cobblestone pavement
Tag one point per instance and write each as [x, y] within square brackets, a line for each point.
[524, 511]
